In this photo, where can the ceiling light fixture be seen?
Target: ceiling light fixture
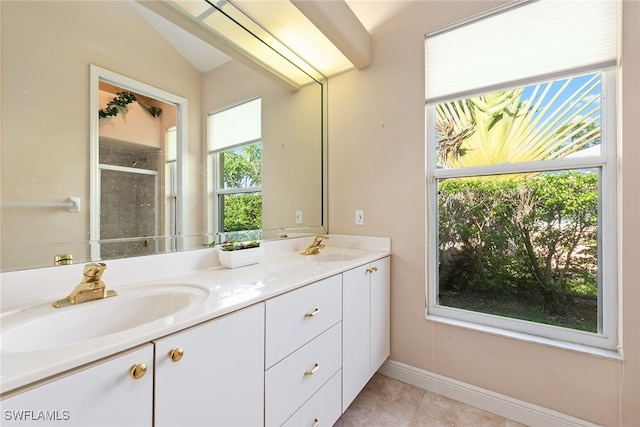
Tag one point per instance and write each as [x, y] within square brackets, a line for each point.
[281, 36]
[235, 27]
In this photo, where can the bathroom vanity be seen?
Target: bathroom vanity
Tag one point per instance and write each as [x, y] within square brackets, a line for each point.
[289, 341]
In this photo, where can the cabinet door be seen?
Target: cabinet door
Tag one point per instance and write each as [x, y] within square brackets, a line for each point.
[219, 380]
[380, 315]
[355, 333]
[103, 394]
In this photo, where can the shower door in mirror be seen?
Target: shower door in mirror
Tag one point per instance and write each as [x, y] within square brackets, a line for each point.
[137, 174]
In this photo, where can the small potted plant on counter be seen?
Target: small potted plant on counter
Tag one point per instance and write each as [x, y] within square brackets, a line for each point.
[239, 254]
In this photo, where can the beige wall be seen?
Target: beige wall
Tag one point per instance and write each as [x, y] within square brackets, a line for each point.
[46, 51]
[376, 163]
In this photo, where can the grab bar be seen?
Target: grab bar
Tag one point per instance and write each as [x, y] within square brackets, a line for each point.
[71, 203]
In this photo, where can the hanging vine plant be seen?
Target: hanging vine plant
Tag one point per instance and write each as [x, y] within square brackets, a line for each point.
[120, 104]
[117, 104]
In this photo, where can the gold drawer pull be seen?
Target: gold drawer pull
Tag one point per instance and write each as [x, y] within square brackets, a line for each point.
[313, 371]
[372, 269]
[175, 354]
[137, 371]
[313, 313]
[316, 423]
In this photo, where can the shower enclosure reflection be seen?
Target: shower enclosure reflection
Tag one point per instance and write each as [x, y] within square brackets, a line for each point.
[135, 172]
[132, 168]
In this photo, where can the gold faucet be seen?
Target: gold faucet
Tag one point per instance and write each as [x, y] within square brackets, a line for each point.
[315, 246]
[90, 288]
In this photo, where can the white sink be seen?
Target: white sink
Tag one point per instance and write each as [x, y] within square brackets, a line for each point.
[42, 326]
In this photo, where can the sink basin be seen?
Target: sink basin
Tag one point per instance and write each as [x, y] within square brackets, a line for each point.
[333, 256]
[42, 326]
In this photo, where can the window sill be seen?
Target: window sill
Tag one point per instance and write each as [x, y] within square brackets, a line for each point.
[564, 345]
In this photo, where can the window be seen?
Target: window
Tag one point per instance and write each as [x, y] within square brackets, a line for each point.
[521, 171]
[235, 162]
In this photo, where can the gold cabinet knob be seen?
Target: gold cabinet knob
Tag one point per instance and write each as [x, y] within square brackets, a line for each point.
[372, 269]
[137, 371]
[175, 354]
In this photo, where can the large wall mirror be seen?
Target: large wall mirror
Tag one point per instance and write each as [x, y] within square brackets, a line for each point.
[68, 176]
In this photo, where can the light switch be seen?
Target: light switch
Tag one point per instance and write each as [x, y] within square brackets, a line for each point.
[298, 217]
[359, 217]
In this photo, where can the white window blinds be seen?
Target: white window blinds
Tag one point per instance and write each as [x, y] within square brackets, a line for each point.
[234, 126]
[171, 144]
[532, 41]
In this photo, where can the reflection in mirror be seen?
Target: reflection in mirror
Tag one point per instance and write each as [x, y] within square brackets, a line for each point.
[291, 126]
[135, 167]
[234, 144]
[48, 206]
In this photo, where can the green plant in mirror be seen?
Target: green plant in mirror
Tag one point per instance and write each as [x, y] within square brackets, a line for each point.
[117, 104]
[120, 104]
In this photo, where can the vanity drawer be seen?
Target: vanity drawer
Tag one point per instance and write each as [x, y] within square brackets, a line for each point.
[292, 381]
[324, 407]
[295, 318]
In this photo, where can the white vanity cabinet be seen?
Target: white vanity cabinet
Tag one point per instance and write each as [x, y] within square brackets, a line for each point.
[212, 374]
[101, 394]
[365, 325]
[296, 357]
[380, 314]
[304, 355]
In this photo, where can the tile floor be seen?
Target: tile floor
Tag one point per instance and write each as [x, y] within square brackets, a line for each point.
[388, 402]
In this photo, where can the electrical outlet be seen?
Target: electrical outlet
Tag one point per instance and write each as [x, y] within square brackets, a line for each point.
[359, 217]
[298, 217]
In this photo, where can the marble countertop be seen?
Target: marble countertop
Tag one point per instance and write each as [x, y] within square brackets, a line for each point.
[282, 269]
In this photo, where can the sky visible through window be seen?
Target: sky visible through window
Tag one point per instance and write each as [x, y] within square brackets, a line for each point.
[574, 85]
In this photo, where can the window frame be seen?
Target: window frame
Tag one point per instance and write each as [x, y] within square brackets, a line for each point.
[607, 336]
[219, 192]
[171, 186]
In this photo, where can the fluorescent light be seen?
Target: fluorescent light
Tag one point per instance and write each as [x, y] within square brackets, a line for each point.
[235, 27]
[297, 33]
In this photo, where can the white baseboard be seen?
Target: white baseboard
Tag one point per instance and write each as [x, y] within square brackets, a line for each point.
[505, 406]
